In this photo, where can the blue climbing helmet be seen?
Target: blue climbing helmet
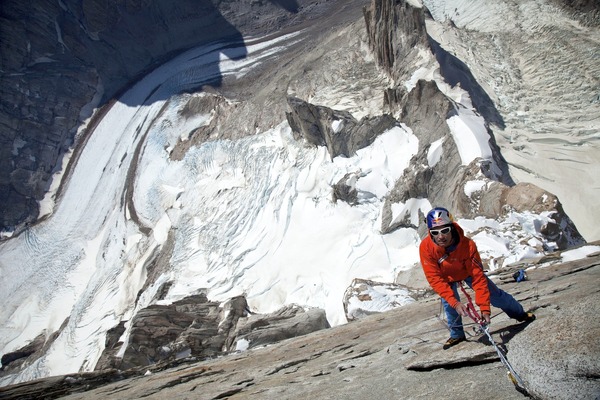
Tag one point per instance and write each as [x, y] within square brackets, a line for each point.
[439, 216]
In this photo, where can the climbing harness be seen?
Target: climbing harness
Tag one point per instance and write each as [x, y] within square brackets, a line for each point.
[485, 328]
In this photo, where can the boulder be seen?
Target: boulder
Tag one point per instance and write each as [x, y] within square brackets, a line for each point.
[288, 322]
[365, 297]
[196, 328]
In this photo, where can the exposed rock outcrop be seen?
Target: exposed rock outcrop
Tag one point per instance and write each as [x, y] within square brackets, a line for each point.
[366, 297]
[197, 328]
[21, 358]
[345, 189]
[17, 357]
[185, 328]
[529, 197]
[339, 131]
[396, 33]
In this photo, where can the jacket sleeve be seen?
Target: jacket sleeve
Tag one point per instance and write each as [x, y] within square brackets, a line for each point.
[434, 277]
[480, 284]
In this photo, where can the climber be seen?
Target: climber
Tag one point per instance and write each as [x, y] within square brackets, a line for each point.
[449, 257]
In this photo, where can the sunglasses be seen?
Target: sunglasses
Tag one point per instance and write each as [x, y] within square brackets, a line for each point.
[444, 231]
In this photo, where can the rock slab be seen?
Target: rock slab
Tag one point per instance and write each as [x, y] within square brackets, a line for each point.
[396, 354]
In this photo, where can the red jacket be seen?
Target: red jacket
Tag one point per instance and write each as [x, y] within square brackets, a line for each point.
[460, 263]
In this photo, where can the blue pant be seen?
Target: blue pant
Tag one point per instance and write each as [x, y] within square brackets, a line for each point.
[498, 297]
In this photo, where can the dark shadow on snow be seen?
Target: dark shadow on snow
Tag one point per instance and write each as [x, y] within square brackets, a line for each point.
[457, 72]
[219, 37]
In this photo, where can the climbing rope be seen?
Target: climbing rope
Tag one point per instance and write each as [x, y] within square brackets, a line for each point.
[484, 328]
[441, 316]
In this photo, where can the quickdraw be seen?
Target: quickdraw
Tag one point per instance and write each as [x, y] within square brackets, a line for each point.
[484, 328]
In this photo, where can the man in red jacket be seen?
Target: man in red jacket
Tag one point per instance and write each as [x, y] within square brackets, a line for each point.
[449, 257]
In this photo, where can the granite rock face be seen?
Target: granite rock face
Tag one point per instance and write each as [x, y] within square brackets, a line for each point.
[395, 354]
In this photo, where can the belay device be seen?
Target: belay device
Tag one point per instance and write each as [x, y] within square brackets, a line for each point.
[485, 328]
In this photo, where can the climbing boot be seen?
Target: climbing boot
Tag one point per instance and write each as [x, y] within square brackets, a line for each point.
[453, 342]
[527, 317]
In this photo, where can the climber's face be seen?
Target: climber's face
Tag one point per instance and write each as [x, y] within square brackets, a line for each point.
[442, 236]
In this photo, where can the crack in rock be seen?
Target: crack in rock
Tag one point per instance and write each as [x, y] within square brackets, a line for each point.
[362, 354]
[287, 365]
[227, 393]
[462, 362]
[204, 372]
